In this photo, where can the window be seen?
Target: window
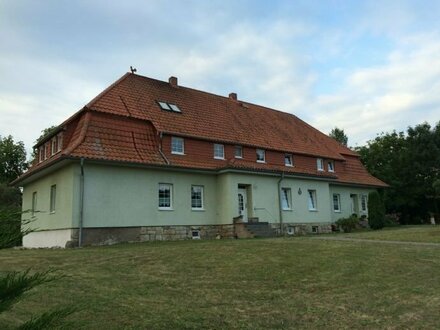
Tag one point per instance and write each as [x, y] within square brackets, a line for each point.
[53, 150]
[364, 203]
[59, 142]
[169, 106]
[197, 197]
[219, 151]
[53, 196]
[34, 203]
[238, 152]
[312, 200]
[336, 202]
[331, 166]
[165, 196]
[195, 234]
[177, 145]
[41, 154]
[286, 199]
[315, 229]
[320, 164]
[261, 156]
[288, 160]
[290, 230]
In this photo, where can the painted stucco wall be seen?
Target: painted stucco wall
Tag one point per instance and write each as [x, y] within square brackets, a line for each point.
[345, 192]
[128, 196]
[44, 219]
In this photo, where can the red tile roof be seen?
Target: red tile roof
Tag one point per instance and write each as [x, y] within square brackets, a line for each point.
[124, 124]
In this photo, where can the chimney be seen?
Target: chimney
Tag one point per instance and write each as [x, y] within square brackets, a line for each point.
[233, 96]
[173, 82]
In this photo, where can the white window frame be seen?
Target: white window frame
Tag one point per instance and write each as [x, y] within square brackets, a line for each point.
[364, 203]
[331, 166]
[286, 198]
[53, 146]
[263, 152]
[320, 164]
[338, 204]
[46, 147]
[202, 198]
[312, 200]
[290, 157]
[40, 154]
[241, 152]
[217, 148]
[177, 142]
[169, 186]
[53, 198]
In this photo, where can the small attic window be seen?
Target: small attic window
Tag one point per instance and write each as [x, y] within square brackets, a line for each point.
[169, 106]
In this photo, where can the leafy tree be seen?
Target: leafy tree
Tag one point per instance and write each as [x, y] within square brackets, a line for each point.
[376, 211]
[12, 159]
[45, 132]
[339, 135]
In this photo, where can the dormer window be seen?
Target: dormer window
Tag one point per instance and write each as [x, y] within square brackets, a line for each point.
[41, 154]
[288, 160]
[53, 150]
[168, 106]
[59, 142]
[331, 166]
[320, 164]
[238, 153]
[261, 156]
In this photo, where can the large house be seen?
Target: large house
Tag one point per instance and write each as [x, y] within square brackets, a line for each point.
[152, 160]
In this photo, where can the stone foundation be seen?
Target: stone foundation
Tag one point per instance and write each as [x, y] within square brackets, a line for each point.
[302, 228]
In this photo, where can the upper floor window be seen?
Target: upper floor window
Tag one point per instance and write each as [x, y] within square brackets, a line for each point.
[320, 164]
[336, 202]
[197, 197]
[364, 201]
[165, 196]
[331, 166]
[312, 200]
[53, 150]
[238, 152]
[177, 146]
[288, 160]
[41, 154]
[59, 142]
[219, 151]
[46, 148]
[261, 156]
[286, 199]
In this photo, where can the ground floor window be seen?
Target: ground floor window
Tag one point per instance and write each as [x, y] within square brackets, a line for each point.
[165, 196]
[34, 203]
[286, 199]
[336, 202]
[312, 200]
[197, 197]
[364, 203]
[53, 196]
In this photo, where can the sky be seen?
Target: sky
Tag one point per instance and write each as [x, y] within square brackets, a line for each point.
[364, 66]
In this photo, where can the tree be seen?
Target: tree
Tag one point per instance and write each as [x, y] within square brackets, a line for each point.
[339, 135]
[12, 159]
[45, 132]
[376, 211]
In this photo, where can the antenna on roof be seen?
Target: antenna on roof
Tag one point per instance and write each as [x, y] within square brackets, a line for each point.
[133, 70]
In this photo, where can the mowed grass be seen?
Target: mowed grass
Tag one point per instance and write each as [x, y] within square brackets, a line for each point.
[236, 284]
[425, 234]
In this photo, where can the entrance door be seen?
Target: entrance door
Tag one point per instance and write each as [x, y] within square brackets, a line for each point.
[242, 204]
[354, 209]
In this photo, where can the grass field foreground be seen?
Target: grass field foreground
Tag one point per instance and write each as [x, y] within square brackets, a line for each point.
[246, 284]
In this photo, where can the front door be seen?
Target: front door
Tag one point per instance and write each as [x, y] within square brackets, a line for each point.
[242, 204]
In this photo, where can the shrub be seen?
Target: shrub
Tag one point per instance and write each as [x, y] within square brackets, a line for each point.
[376, 211]
[348, 224]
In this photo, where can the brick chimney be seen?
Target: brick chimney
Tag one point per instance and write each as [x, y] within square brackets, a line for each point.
[233, 96]
[173, 82]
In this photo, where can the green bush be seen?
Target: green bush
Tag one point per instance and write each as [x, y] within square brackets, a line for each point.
[348, 224]
[376, 211]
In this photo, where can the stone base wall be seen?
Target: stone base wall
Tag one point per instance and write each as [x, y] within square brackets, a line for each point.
[298, 229]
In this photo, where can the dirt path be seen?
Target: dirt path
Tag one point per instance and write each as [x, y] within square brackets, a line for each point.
[350, 239]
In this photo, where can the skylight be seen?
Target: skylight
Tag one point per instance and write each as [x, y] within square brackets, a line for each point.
[169, 106]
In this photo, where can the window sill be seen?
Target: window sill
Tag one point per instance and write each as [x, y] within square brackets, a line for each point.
[198, 210]
[288, 165]
[320, 170]
[177, 153]
[336, 211]
[238, 157]
[261, 161]
[331, 171]
[313, 210]
[165, 209]
[288, 210]
[218, 158]
[52, 212]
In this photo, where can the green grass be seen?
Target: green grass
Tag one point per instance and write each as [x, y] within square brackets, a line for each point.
[246, 284]
[425, 233]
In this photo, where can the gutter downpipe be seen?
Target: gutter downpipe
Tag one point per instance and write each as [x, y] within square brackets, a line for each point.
[160, 149]
[280, 202]
[81, 204]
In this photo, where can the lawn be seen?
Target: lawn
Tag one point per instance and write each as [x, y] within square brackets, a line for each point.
[425, 233]
[246, 284]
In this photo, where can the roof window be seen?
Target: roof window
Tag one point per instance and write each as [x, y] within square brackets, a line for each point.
[169, 106]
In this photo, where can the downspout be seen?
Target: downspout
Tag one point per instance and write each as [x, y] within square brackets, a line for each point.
[160, 149]
[280, 202]
[81, 204]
